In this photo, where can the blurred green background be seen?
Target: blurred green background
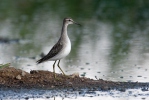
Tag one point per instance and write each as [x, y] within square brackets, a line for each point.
[113, 42]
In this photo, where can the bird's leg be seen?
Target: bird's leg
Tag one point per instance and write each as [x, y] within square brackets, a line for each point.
[60, 67]
[54, 69]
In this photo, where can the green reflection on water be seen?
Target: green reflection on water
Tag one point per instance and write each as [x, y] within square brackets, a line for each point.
[126, 17]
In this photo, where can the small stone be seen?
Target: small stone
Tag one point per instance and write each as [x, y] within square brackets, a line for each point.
[52, 86]
[70, 83]
[18, 77]
[34, 71]
[75, 75]
[23, 73]
[82, 80]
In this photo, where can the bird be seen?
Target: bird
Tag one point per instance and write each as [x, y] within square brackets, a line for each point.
[62, 48]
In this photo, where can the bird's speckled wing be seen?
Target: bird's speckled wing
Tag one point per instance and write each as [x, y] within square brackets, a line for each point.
[54, 51]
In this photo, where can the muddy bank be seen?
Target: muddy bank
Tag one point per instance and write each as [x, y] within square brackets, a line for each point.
[11, 77]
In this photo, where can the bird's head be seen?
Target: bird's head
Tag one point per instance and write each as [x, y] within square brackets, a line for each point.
[70, 21]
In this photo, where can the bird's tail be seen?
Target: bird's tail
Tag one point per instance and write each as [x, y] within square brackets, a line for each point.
[39, 61]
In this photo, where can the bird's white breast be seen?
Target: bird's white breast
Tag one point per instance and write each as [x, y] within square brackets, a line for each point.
[67, 48]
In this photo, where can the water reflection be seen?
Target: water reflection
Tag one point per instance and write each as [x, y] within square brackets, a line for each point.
[35, 94]
[112, 44]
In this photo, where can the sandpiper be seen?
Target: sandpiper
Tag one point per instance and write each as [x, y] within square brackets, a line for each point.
[62, 48]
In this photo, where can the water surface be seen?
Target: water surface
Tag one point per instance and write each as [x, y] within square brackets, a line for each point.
[112, 43]
[35, 94]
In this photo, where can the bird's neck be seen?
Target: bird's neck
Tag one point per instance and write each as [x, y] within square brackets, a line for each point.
[64, 31]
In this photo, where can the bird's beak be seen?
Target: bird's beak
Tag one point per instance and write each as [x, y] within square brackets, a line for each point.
[76, 23]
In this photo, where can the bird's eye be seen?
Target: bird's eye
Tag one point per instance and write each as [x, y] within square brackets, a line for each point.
[69, 20]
